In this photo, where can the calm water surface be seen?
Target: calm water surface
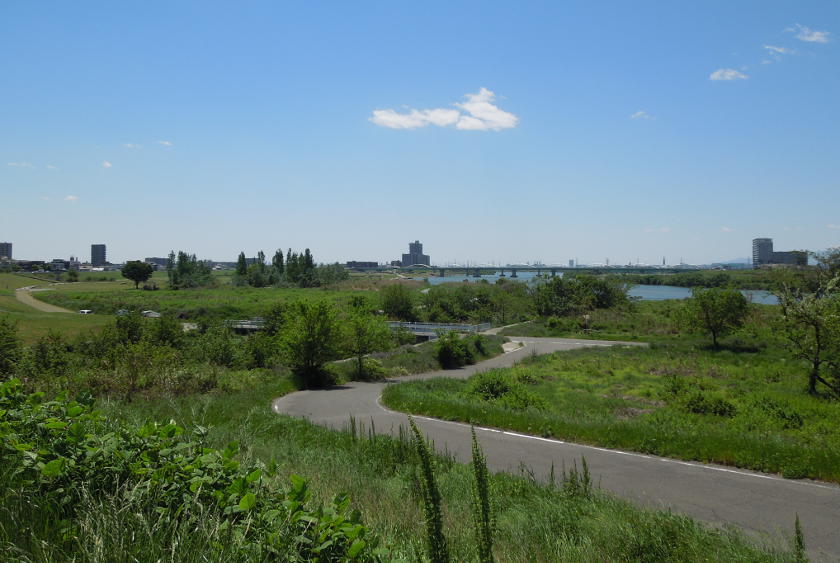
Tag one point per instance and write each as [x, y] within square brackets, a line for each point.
[643, 292]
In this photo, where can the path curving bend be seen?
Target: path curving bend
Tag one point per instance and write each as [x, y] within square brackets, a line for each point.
[763, 505]
[24, 295]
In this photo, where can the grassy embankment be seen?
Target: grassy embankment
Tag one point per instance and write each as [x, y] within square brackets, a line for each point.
[535, 522]
[744, 405]
[34, 324]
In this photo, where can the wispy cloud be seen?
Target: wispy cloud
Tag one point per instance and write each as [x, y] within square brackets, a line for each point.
[132, 146]
[106, 164]
[773, 50]
[71, 198]
[809, 35]
[727, 74]
[21, 164]
[657, 229]
[641, 114]
[51, 167]
[477, 113]
[727, 229]
[166, 143]
[833, 226]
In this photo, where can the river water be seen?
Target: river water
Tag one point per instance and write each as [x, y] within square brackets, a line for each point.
[642, 292]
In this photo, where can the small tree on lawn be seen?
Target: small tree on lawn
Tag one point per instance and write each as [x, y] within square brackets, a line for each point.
[137, 271]
[716, 311]
[309, 339]
[365, 334]
[810, 325]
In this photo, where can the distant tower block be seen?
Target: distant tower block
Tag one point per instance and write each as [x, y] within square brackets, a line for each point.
[97, 255]
[415, 255]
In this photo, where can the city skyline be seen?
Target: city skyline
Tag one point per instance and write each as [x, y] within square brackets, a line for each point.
[640, 131]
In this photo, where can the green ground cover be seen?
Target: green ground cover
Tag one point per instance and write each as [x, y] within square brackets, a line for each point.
[535, 522]
[743, 408]
[226, 302]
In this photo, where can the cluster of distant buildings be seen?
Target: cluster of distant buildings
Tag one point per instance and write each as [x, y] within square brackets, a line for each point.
[415, 257]
[98, 261]
[764, 255]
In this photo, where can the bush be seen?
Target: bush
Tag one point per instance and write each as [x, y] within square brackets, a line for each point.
[699, 403]
[62, 454]
[452, 351]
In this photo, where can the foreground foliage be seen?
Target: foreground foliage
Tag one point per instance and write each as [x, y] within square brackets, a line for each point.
[61, 461]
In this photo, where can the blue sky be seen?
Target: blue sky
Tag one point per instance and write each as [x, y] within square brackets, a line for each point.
[491, 131]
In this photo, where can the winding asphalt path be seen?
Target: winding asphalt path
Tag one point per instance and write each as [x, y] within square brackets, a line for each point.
[24, 295]
[763, 505]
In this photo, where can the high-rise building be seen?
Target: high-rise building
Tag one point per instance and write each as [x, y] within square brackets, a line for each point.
[415, 255]
[97, 255]
[5, 251]
[762, 251]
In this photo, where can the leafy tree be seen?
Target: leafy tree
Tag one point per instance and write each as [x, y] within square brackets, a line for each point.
[186, 270]
[309, 339]
[810, 325]
[129, 327]
[72, 276]
[241, 265]
[136, 271]
[715, 310]
[9, 346]
[364, 334]
[278, 267]
[398, 302]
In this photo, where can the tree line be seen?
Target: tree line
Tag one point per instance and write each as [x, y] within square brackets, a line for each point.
[295, 268]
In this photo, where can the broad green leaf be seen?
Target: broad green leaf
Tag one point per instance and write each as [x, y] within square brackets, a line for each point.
[53, 468]
[248, 502]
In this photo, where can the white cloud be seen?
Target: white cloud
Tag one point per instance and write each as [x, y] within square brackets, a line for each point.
[658, 229]
[727, 74]
[833, 226]
[166, 143]
[477, 113]
[809, 35]
[773, 50]
[480, 107]
[727, 229]
[132, 146]
[415, 118]
[21, 164]
[71, 198]
[52, 167]
[106, 164]
[641, 114]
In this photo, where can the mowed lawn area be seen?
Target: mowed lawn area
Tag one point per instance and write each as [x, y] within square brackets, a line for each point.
[747, 409]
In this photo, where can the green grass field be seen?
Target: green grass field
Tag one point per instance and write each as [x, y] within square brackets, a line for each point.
[535, 522]
[747, 409]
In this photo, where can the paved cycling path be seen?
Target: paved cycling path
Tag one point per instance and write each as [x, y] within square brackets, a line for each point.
[762, 504]
[24, 295]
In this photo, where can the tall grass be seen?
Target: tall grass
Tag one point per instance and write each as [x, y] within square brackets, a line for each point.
[736, 408]
[533, 522]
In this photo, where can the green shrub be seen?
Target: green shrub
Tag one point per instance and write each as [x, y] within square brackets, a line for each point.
[452, 351]
[65, 454]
